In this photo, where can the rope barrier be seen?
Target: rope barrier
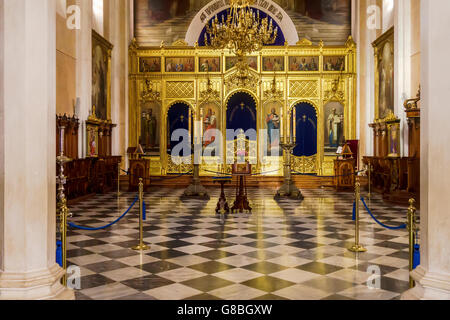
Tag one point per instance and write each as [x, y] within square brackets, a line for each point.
[162, 178]
[296, 173]
[144, 211]
[108, 225]
[403, 226]
[354, 211]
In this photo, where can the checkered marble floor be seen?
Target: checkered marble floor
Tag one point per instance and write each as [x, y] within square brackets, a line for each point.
[284, 250]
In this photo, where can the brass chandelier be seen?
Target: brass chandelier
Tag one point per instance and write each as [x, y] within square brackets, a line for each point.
[243, 32]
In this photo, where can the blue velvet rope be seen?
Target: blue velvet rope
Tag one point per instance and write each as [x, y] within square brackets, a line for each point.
[144, 211]
[59, 253]
[354, 211]
[403, 226]
[108, 225]
[416, 256]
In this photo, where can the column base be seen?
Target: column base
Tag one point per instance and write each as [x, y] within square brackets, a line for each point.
[40, 285]
[429, 286]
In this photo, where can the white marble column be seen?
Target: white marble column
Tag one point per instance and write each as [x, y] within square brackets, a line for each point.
[27, 140]
[433, 275]
[84, 70]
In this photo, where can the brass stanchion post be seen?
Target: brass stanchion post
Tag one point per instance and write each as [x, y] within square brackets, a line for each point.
[64, 212]
[370, 182]
[357, 247]
[411, 230]
[142, 246]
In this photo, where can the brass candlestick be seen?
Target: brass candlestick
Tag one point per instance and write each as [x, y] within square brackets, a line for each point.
[288, 189]
[196, 189]
[63, 211]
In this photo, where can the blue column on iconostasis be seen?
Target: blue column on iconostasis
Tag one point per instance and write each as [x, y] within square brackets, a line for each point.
[306, 129]
[177, 118]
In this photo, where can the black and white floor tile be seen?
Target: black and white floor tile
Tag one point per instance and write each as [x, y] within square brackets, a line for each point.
[283, 250]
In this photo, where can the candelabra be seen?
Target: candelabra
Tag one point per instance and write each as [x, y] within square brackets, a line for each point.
[288, 189]
[62, 209]
[196, 189]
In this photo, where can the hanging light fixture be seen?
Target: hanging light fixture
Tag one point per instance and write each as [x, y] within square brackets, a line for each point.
[242, 32]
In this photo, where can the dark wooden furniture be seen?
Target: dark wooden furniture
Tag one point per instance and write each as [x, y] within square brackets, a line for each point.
[241, 171]
[397, 178]
[222, 204]
[139, 168]
[71, 126]
[86, 177]
[344, 174]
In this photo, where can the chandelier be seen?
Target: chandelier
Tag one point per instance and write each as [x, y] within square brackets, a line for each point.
[243, 31]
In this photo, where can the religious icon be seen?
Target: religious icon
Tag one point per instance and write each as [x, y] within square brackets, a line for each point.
[334, 126]
[334, 63]
[273, 123]
[92, 140]
[150, 64]
[384, 78]
[210, 124]
[186, 64]
[149, 138]
[100, 71]
[209, 64]
[394, 139]
[303, 63]
[230, 62]
[273, 63]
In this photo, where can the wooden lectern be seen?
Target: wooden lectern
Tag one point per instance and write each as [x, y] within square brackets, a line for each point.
[241, 171]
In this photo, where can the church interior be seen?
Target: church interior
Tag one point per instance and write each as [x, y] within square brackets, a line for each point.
[224, 150]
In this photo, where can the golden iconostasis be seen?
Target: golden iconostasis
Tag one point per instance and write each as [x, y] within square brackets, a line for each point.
[173, 86]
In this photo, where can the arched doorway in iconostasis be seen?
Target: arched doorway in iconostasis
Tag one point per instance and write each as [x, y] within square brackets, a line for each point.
[303, 128]
[179, 121]
[241, 119]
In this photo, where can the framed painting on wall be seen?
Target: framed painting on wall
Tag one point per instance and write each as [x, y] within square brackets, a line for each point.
[394, 139]
[151, 64]
[333, 127]
[150, 127]
[209, 64]
[384, 75]
[91, 140]
[101, 76]
[230, 62]
[180, 64]
[273, 64]
[303, 63]
[334, 63]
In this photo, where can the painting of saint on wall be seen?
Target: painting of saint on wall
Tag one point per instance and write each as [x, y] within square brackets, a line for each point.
[150, 64]
[384, 75]
[230, 62]
[150, 127]
[273, 64]
[333, 63]
[92, 141]
[101, 55]
[211, 121]
[185, 64]
[394, 140]
[209, 64]
[303, 63]
[272, 122]
[334, 126]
